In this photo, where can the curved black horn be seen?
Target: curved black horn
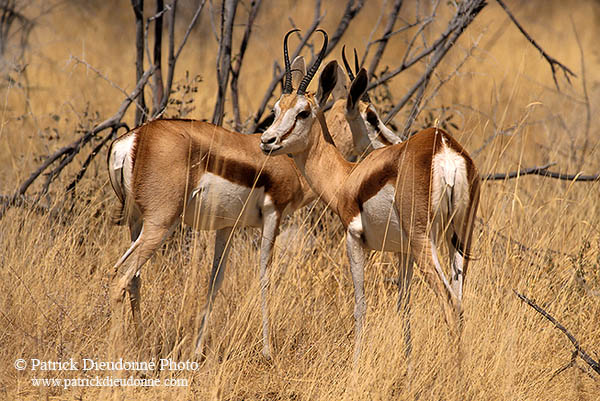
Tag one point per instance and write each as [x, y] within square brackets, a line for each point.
[287, 87]
[365, 97]
[356, 64]
[309, 75]
[346, 64]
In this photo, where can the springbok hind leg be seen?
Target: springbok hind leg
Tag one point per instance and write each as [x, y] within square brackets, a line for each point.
[427, 260]
[148, 241]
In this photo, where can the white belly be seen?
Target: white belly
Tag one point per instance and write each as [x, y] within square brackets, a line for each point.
[217, 203]
[380, 223]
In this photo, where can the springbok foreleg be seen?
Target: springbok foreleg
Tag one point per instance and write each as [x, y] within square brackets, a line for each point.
[217, 273]
[357, 257]
[405, 266]
[269, 233]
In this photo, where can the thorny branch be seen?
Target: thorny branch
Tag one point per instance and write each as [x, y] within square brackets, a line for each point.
[578, 349]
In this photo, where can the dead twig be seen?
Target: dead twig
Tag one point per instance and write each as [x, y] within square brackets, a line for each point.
[141, 112]
[465, 14]
[578, 349]
[67, 153]
[392, 17]
[554, 63]
[173, 55]
[542, 171]
[235, 69]
[228, 9]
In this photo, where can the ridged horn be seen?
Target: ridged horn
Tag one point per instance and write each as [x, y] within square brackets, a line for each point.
[309, 75]
[287, 86]
[346, 64]
[365, 97]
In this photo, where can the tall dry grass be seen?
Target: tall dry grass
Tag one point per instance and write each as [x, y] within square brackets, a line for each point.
[535, 235]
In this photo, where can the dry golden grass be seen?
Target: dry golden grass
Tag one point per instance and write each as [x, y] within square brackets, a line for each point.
[55, 270]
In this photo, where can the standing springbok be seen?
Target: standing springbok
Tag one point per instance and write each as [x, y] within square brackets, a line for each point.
[214, 179]
[406, 198]
[368, 132]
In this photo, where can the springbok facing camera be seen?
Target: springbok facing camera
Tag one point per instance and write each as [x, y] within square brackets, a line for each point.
[216, 180]
[406, 198]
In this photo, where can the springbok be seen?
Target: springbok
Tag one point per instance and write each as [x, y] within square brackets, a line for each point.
[367, 130]
[407, 198]
[214, 179]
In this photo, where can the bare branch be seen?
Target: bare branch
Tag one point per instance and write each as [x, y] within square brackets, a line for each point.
[174, 55]
[465, 14]
[386, 34]
[349, 13]
[542, 171]
[235, 70]
[228, 10]
[115, 128]
[157, 56]
[551, 60]
[277, 76]
[138, 11]
[580, 351]
[69, 151]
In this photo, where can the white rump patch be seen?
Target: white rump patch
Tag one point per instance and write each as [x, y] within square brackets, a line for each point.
[450, 187]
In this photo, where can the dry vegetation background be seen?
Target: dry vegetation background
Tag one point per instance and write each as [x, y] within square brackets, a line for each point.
[535, 235]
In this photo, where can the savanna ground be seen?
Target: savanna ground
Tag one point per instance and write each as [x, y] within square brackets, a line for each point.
[535, 235]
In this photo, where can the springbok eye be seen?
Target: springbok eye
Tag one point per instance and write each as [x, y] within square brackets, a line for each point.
[304, 114]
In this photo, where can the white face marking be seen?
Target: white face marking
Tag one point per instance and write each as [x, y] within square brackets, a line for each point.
[289, 132]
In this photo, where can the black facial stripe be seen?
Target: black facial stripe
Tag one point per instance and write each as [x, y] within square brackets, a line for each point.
[289, 131]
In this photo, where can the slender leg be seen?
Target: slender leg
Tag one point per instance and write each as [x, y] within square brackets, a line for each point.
[216, 279]
[404, 280]
[149, 240]
[269, 233]
[357, 257]
[427, 260]
[456, 278]
[135, 228]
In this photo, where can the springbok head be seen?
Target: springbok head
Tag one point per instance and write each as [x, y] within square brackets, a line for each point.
[361, 114]
[297, 111]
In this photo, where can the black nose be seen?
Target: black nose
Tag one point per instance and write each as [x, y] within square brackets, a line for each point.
[268, 141]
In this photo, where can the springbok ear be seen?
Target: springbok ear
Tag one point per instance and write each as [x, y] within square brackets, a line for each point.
[357, 89]
[340, 91]
[298, 71]
[327, 82]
